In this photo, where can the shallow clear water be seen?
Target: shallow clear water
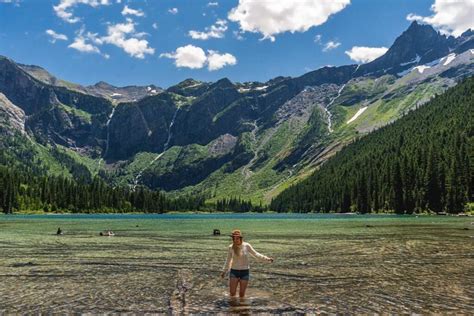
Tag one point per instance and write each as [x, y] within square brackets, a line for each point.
[171, 263]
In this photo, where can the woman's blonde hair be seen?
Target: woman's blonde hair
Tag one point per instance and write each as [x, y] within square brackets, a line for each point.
[237, 249]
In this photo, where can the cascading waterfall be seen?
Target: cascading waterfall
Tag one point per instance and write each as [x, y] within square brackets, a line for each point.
[246, 170]
[165, 148]
[326, 108]
[108, 137]
[108, 131]
[357, 68]
[144, 120]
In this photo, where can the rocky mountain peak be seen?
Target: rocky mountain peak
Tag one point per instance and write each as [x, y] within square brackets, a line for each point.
[419, 44]
[468, 33]
[421, 40]
[103, 85]
[188, 82]
[189, 87]
[222, 83]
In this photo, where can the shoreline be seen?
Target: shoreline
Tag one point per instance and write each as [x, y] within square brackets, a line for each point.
[23, 213]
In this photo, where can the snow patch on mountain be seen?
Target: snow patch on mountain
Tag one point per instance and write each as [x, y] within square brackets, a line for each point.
[449, 59]
[422, 68]
[194, 85]
[361, 110]
[243, 90]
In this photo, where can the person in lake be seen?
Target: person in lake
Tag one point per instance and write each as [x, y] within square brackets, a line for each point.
[238, 263]
[107, 233]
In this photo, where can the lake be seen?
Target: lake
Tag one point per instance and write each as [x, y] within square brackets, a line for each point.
[172, 262]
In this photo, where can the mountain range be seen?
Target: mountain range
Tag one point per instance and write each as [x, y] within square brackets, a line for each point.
[220, 139]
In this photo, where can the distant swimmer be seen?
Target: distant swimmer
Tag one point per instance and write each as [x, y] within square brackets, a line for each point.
[237, 263]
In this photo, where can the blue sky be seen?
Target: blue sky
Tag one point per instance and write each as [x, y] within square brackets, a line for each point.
[149, 41]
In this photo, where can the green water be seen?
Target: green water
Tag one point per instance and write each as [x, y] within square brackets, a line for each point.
[171, 263]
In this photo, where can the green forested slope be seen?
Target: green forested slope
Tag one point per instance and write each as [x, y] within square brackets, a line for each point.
[27, 191]
[423, 161]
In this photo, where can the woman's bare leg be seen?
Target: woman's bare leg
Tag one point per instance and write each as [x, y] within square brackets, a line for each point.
[233, 282]
[243, 287]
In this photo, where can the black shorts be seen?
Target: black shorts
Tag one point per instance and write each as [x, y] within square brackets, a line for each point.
[240, 274]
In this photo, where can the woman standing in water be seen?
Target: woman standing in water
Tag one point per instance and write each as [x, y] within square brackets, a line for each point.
[238, 262]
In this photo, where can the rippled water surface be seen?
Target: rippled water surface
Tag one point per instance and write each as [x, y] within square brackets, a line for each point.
[171, 263]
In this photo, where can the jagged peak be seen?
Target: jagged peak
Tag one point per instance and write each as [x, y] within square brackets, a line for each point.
[21, 68]
[103, 84]
[467, 33]
[188, 82]
[414, 25]
[415, 30]
[10, 61]
[419, 43]
[223, 83]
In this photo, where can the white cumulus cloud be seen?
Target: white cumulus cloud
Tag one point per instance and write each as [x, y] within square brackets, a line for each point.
[363, 54]
[274, 17]
[56, 36]
[81, 45]
[188, 56]
[194, 57]
[214, 31]
[217, 61]
[449, 16]
[64, 9]
[129, 11]
[123, 35]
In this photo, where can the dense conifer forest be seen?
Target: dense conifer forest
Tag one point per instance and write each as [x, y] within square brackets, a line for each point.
[23, 191]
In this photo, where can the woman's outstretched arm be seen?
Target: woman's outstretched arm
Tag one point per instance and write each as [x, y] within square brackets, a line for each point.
[258, 255]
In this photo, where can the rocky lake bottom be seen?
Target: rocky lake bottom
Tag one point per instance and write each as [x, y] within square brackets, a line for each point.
[171, 264]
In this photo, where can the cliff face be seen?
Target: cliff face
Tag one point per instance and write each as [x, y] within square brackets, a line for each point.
[12, 118]
[141, 126]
